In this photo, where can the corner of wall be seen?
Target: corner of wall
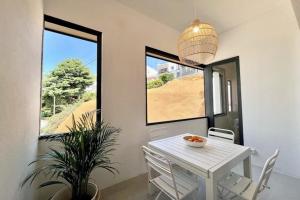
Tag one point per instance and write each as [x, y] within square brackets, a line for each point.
[296, 7]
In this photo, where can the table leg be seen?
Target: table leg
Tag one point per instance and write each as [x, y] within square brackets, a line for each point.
[211, 188]
[247, 167]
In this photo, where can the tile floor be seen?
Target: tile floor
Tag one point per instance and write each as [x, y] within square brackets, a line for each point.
[282, 188]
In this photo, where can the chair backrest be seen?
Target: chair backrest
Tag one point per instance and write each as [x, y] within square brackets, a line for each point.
[266, 173]
[159, 164]
[224, 135]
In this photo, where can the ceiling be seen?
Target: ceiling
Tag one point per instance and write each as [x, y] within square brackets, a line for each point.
[222, 14]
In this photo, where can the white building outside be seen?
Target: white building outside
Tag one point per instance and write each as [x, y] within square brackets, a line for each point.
[176, 69]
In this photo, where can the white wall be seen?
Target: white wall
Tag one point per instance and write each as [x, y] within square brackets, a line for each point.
[125, 35]
[20, 64]
[269, 49]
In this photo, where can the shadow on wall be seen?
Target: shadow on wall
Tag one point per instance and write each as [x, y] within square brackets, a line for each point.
[161, 131]
[46, 192]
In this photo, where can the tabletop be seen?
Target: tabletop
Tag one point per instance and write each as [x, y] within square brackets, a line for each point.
[214, 154]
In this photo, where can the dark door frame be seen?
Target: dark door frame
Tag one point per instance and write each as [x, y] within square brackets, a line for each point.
[209, 95]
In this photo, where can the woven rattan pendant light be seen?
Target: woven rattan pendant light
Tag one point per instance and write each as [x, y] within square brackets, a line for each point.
[197, 44]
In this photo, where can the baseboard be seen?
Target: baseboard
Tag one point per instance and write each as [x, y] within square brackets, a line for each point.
[278, 171]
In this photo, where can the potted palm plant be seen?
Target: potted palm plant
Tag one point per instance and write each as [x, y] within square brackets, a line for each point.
[87, 147]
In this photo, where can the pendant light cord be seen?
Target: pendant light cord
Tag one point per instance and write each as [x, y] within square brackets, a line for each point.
[195, 10]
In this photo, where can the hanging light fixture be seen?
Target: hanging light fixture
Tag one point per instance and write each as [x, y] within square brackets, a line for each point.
[197, 44]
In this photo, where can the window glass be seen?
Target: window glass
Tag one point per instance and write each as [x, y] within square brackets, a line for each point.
[217, 92]
[69, 80]
[174, 91]
[229, 96]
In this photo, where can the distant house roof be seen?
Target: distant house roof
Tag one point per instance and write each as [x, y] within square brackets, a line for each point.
[166, 65]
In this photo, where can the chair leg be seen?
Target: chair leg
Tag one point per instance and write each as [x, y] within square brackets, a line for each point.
[224, 194]
[158, 195]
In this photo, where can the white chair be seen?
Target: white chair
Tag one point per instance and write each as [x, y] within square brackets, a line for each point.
[171, 181]
[236, 186]
[224, 135]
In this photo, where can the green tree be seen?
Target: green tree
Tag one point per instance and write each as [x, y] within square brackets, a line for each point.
[66, 83]
[166, 77]
[154, 83]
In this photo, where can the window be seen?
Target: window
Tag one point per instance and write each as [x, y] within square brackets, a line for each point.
[229, 96]
[217, 81]
[172, 95]
[70, 74]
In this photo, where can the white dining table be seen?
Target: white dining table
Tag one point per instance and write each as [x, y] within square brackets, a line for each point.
[212, 162]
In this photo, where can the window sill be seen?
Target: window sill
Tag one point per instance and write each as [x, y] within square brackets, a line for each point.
[47, 137]
[173, 121]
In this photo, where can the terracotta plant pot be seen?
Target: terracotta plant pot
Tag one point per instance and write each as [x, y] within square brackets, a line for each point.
[66, 193]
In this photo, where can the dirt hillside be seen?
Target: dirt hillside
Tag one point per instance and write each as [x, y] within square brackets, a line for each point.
[178, 99]
[84, 107]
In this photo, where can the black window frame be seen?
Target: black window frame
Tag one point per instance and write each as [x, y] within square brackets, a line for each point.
[162, 55]
[98, 34]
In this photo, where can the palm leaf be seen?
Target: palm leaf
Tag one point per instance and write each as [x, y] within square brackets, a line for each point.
[48, 183]
[87, 146]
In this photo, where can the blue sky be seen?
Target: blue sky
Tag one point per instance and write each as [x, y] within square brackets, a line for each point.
[58, 47]
[153, 62]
